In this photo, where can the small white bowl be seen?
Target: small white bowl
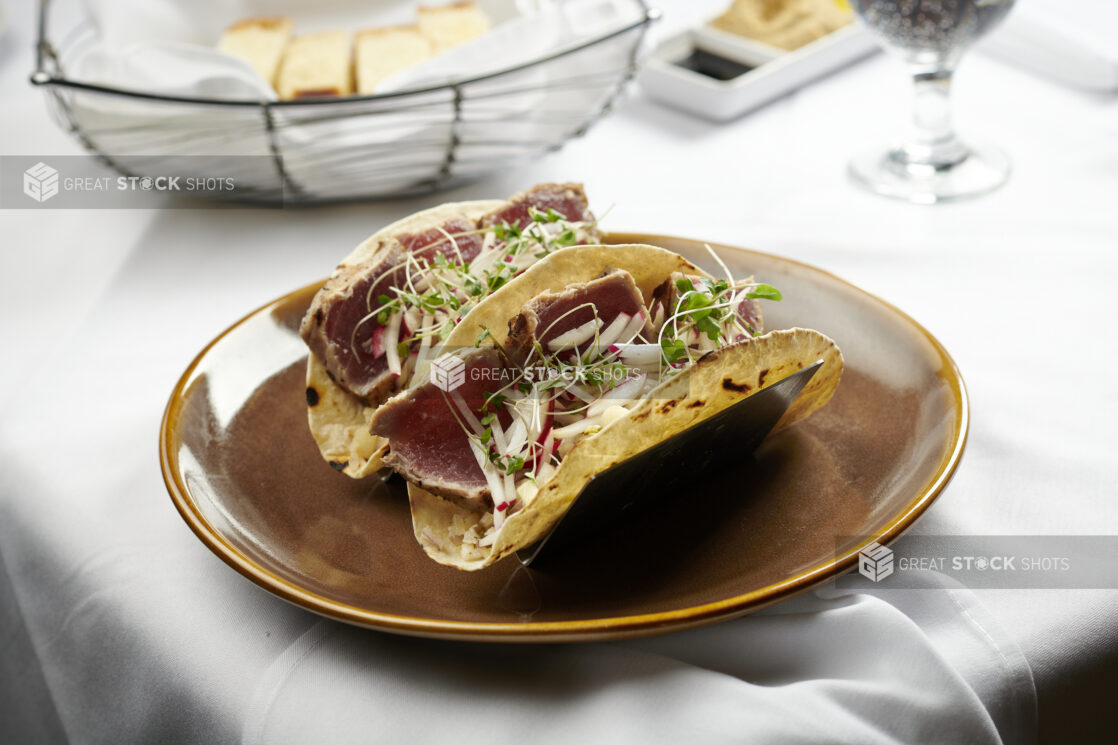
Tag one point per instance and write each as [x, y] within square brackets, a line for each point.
[766, 72]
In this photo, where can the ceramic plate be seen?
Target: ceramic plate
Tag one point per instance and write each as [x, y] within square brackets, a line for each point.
[242, 469]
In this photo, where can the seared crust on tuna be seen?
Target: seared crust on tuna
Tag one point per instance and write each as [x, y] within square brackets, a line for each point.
[359, 357]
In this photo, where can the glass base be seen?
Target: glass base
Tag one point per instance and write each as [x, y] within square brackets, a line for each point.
[887, 172]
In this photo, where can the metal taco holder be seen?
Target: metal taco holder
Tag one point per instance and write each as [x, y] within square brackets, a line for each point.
[727, 436]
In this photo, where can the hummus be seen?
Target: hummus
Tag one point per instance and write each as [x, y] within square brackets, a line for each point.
[785, 24]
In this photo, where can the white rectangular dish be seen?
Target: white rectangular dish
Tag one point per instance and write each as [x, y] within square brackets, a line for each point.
[720, 76]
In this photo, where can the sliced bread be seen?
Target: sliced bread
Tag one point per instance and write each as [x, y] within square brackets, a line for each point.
[382, 52]
[259, 42]
[316, 65]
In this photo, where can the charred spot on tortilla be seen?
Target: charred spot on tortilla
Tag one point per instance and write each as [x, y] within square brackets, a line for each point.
[730, 385]
[669, 405]
[761, 377]
[312, 396]
[696, 404]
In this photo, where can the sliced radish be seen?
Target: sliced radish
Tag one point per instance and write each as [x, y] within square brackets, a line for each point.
[573, 337]
[638, 355]
[545, 450]
[579, 392]
[627, 391]
[610, 334]
[502, 504]
[376, 343]
[633, 328]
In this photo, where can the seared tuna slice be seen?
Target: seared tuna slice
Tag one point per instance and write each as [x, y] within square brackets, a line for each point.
[586, 315]
[569, 200]
[666, 296]
[341, 328]
[430, 433]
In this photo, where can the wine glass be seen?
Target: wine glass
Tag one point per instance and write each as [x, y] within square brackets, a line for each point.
[931, 164]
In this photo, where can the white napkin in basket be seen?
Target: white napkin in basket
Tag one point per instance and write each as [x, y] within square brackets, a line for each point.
[167, 47]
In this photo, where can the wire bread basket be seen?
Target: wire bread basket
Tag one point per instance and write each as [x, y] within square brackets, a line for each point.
[330, 149]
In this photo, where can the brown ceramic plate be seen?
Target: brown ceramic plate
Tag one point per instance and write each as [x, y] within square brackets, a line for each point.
[243, 470]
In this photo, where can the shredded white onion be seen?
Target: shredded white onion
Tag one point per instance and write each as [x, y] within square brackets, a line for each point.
[547, 470]
[425, 343]
[413, 319]
[499, 436]
[517, 436]
[492, 478]
[469, 416]
[391, 340]
[486, 258]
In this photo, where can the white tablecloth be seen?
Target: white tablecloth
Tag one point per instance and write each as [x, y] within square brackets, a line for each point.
[118, 626]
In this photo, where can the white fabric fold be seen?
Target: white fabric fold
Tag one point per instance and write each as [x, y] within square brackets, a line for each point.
[825, 667]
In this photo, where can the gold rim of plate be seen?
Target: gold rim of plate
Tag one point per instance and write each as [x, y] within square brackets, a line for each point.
[581, 629]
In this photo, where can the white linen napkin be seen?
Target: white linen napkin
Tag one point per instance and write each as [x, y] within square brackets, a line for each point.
[824, 667]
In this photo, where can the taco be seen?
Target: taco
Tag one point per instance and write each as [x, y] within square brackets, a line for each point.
[592, 355]
[403, 291]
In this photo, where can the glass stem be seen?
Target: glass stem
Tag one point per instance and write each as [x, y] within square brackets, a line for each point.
[932, 143]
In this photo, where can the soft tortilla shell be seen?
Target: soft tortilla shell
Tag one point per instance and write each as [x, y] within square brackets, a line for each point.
[339, 421]
[715, 382]
[649, 265]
